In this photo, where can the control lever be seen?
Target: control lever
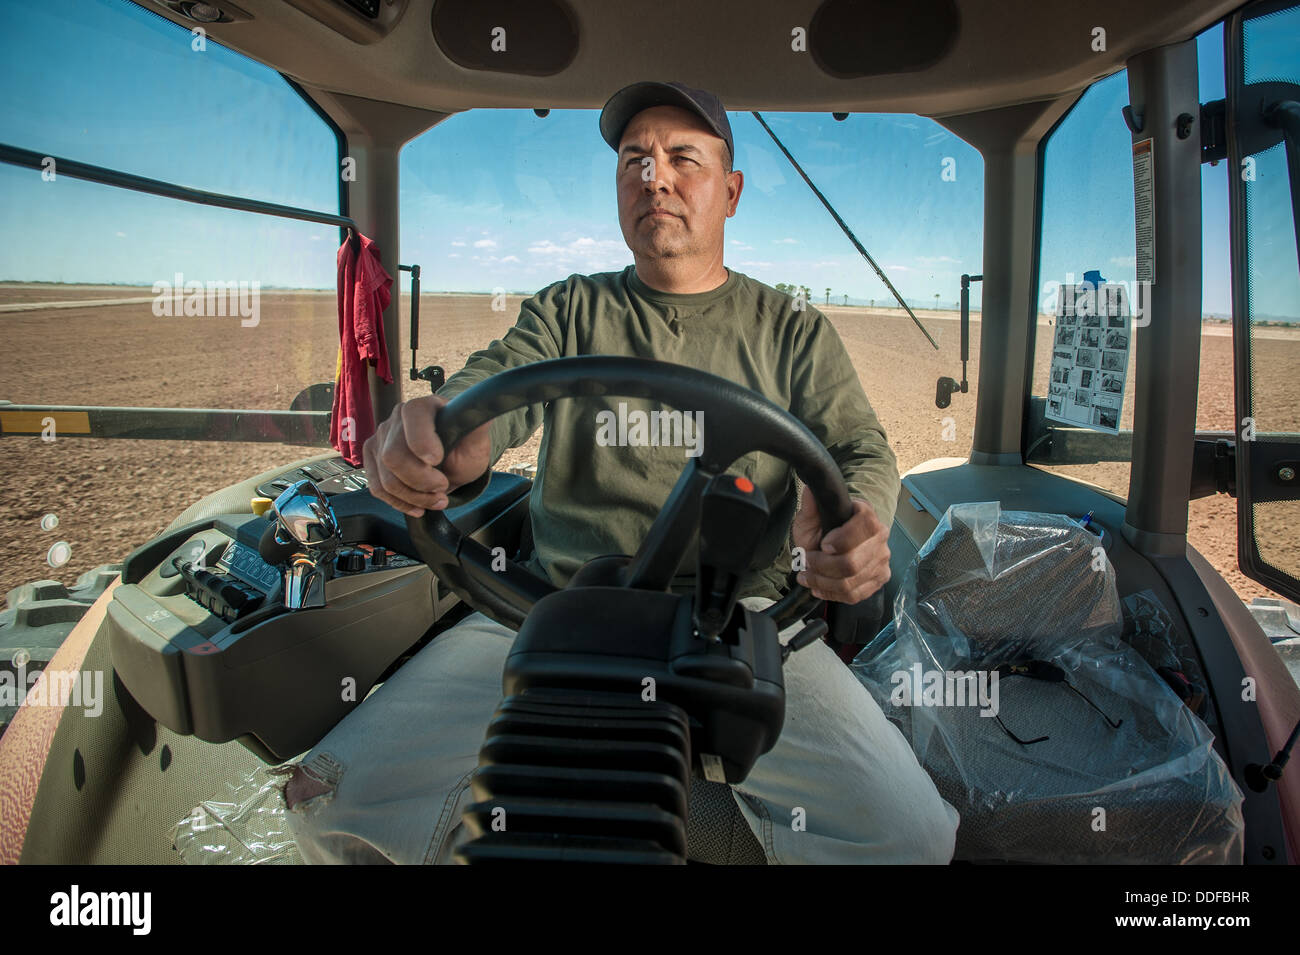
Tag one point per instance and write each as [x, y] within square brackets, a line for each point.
[271, 550]
[304, 522]
[810, 634]
[733, 516]
[304, 583]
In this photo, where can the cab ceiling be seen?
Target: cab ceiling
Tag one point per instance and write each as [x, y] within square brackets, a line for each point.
[1004, 52]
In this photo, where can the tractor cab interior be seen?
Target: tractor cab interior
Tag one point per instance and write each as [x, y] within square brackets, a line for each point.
[226, 649]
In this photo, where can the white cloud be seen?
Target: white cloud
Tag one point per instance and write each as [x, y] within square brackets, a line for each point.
[511, 258]
[122, 235]
[932, 259]
[458, 243]
[786, 241]
[485, 244]
[1124, 260]
[755, 265]
[897, 268]
[454, 255]
[584, 253]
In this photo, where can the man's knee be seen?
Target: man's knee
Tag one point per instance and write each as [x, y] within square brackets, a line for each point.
[311, 783]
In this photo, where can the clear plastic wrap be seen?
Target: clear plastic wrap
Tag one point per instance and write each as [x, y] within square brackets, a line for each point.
[245, 827]
[1055, 740]
[1149, 630]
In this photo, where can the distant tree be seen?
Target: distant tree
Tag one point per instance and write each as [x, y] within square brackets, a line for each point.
[846, 298]
[828, 295]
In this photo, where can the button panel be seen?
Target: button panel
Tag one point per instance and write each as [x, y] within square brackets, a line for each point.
[333, 476]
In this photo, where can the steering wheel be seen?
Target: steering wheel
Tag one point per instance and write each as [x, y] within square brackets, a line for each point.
[740, 421]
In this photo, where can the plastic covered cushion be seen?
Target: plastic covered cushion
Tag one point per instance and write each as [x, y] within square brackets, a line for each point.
[1118, 770]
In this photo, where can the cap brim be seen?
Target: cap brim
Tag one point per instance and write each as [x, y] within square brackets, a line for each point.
[630, 100]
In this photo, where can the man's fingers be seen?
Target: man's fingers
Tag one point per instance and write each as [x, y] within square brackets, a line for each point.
[400, 468]
[388, 487]
[852, 562]
[848, 590]
[418, 429]
[857, 530]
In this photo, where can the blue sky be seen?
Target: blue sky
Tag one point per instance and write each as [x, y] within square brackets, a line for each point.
[505, 198]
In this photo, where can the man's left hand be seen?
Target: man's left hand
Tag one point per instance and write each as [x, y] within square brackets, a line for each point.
[848, 564]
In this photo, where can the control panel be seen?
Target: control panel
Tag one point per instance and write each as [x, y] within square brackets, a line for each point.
[332, 476]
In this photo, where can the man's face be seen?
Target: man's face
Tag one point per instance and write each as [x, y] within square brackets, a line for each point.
[674, 195]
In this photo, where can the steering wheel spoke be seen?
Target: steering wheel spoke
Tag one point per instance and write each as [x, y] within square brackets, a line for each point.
[660, 554]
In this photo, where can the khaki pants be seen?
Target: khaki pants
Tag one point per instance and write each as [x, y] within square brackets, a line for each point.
[841, 785]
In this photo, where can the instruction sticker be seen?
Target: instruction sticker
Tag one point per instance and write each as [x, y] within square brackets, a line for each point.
[1144, 202]
[1090, 356]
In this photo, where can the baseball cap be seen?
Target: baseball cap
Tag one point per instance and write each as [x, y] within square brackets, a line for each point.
[630, 100]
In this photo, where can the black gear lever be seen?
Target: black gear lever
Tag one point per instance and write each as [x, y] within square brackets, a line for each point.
[733, 516]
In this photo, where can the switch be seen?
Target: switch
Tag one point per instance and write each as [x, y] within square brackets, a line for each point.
[350, 561]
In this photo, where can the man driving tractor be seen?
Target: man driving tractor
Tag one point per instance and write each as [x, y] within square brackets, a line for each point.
[389, 782]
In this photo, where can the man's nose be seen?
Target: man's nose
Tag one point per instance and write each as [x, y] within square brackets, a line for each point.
[653, 178]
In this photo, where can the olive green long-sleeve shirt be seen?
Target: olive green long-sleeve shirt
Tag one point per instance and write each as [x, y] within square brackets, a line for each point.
[590, 498]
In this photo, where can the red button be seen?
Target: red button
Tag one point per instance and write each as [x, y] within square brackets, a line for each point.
[745, 484]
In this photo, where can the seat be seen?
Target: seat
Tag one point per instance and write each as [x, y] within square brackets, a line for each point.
[1090, 757]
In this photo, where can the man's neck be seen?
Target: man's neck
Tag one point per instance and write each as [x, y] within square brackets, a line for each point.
[681, 278]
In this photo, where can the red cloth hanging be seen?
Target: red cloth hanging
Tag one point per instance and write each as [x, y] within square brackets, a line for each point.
[364, 293]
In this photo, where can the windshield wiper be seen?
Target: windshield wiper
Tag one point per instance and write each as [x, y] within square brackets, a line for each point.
[847, 231]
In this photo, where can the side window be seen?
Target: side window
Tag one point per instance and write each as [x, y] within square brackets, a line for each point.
[127, 304]
[1088, 225]
[1087, 228]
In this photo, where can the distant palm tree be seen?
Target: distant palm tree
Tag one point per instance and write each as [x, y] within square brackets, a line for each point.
[828, 295]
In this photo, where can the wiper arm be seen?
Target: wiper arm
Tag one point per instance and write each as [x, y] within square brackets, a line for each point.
[847, 231]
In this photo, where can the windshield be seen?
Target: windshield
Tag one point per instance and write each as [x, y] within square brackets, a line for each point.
[497, 204]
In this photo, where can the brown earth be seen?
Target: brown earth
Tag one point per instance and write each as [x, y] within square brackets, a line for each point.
[112, 496]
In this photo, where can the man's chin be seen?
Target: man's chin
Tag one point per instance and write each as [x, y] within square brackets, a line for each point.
[657, 251]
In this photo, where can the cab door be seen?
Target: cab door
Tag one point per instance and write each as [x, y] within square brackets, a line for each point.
[1262, 59]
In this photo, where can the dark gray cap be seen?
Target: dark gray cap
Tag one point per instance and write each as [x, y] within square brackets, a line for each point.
[630, 100]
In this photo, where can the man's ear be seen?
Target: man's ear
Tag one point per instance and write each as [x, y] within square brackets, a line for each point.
[735, 184]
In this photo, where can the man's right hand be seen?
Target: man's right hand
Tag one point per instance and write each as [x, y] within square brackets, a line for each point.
[406, 465]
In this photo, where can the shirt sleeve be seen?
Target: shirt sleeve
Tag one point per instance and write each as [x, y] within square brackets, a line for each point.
[827, 397]
[536, 336]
